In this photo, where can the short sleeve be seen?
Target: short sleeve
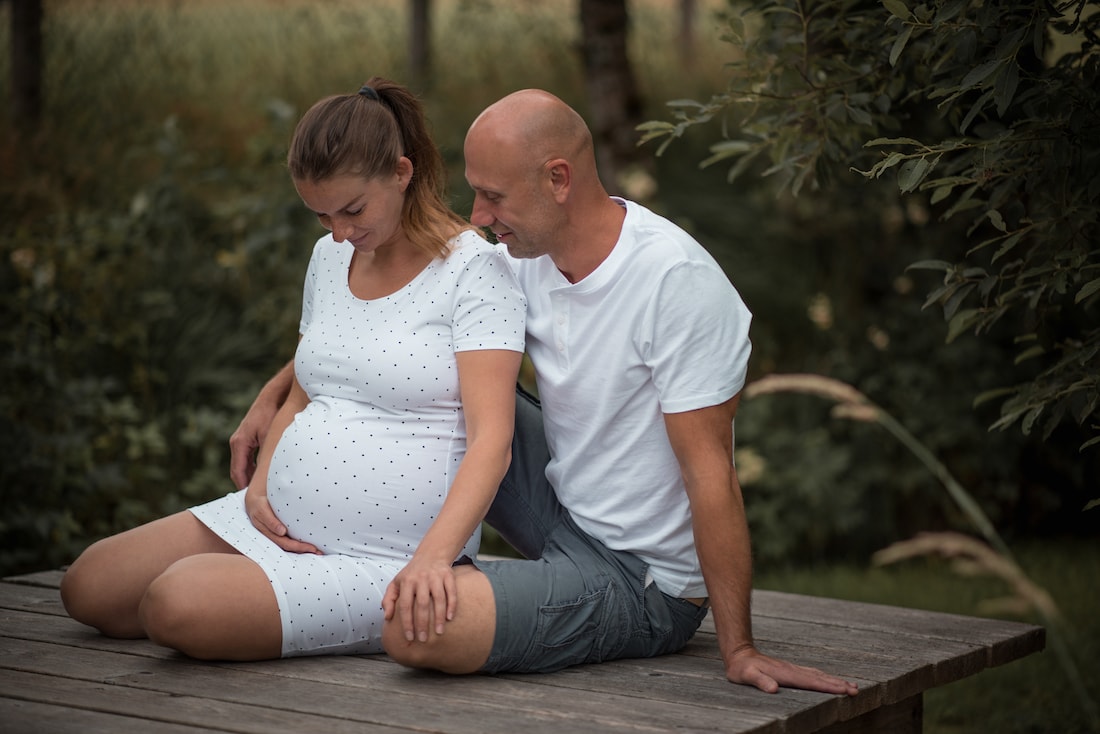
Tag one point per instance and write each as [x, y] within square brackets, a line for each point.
[490, 309]
[698, 344]
[309, 289]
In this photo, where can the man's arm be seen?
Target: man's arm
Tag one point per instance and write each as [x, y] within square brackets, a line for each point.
[250, 434]
[703, 443]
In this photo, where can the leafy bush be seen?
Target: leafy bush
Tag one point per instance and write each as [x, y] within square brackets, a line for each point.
[133, 340]
[985, 114]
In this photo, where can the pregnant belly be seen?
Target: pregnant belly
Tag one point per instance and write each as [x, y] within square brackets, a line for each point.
[353, 496]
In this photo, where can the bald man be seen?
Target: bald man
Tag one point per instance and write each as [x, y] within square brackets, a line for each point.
[622, 493]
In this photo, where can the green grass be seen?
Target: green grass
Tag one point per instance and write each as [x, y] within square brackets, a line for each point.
[1029, 696]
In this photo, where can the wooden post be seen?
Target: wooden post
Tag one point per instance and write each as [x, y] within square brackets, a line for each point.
[614, 100]
[26, 63]
[420, 43]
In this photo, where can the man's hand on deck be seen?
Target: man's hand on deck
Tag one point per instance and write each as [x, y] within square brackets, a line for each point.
[752, 668]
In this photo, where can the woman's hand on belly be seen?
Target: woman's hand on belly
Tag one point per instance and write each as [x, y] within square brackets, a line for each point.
[264, 519]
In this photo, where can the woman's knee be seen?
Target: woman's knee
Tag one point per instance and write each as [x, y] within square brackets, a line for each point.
[170, 614]
[83, 591]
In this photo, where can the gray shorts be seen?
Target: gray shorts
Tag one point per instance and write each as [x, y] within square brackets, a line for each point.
[577, 601]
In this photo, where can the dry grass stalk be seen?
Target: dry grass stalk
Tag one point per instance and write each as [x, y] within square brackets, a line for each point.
[971, 557]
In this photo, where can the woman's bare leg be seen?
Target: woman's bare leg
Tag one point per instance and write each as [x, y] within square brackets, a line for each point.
[214, 606]
[104, 586]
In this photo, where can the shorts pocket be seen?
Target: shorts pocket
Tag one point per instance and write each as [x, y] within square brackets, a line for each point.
[570, 634]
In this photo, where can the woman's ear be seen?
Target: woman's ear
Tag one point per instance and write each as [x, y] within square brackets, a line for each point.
[404, 172]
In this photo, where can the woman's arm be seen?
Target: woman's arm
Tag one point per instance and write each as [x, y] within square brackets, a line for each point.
[425, 588]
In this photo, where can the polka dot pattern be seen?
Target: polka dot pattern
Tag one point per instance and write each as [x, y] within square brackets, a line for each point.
[362, 472]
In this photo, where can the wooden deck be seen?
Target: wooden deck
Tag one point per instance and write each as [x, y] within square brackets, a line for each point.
[59, 676]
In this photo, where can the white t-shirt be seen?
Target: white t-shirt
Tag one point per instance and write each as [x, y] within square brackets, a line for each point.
[656, 328]
[366, 466]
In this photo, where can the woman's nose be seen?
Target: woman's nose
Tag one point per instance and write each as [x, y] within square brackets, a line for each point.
[341, 230]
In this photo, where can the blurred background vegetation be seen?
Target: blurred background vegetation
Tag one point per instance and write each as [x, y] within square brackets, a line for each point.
[152, 253]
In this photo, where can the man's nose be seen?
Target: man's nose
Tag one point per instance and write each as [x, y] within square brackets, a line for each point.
[479, 215]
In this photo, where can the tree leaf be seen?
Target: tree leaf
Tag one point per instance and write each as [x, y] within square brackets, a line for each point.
[1009, 243]
[912, 172]
[859, 116]
[892, 141]
[899, 44]
[988, 395]
[931, 265]
[1090, 288]
[950, 10]
[898, 9]
[997, 220]
[1031, 352]
[962, 322]
[1005, 89]
[956, 299]
[979, 74]
[975, 110]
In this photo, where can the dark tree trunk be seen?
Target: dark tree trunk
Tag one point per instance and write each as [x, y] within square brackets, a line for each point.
[686, 40]
[26, 63]
[614, 100]
[420, 42]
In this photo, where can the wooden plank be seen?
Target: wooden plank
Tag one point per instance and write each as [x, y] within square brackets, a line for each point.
[339, 686]
[41, 600]
[893, 653]
[1006, 640]
[29, 717]
[750, 707]
[45, 579]
[85, 697]
[903, 717]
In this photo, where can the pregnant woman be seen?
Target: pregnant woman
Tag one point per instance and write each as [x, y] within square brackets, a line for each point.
[390, 446]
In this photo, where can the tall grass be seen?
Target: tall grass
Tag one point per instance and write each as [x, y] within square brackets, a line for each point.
[115, 71]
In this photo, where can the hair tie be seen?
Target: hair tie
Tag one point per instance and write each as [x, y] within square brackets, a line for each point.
[368, 92]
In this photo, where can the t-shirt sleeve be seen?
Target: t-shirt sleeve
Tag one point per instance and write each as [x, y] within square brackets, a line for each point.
[490, 309]
[309, 288]
[698, 331]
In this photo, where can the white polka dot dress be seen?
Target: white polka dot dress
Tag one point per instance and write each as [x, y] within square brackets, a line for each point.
[363, 470]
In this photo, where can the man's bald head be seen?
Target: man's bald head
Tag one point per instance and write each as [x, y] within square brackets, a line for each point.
[537, 123]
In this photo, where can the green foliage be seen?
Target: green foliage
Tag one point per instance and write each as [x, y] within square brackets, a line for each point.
[976, 111]
[132, 342]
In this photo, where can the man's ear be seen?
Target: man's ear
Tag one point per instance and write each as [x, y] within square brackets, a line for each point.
[561, 178]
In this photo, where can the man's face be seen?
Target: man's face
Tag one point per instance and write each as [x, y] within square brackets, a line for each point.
[511, 197]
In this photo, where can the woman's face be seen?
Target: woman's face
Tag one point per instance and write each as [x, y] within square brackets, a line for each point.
[365, 212]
